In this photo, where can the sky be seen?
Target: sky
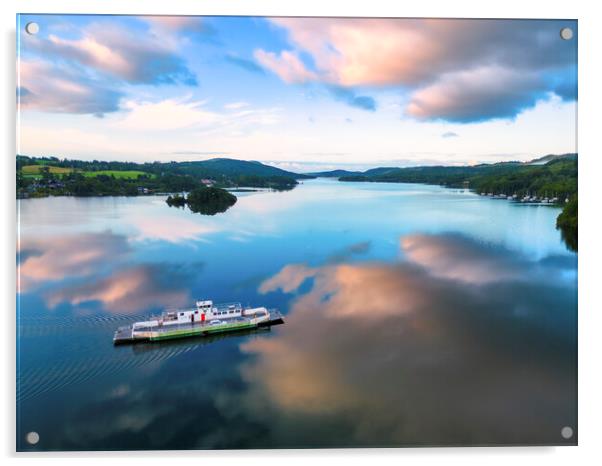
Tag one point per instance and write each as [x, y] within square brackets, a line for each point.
[298, 93]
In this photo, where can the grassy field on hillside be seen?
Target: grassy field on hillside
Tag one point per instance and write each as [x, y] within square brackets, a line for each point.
[128, 174]
[35, 171]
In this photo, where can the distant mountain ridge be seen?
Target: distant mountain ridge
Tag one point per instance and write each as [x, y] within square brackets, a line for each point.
[335, 173]
[381, 171]
[548, 158]
[217, 167]
[235, 167]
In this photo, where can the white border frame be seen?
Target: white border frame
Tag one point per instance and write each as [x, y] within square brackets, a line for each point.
[590, 302]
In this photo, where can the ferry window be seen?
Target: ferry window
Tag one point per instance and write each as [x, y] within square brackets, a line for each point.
[181, 313]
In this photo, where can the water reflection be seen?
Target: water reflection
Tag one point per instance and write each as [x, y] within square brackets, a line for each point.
[347, 253]
[401, 354]
[42, 260]
[131, 290]
[169, 228]
[415, 315]
[457, 257]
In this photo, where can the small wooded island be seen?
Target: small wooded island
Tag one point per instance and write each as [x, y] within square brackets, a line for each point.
[205, 200]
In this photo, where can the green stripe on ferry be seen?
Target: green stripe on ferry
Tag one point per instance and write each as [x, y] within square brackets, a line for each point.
[204, 330]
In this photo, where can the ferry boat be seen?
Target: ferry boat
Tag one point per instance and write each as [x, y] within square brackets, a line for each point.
[206, 318]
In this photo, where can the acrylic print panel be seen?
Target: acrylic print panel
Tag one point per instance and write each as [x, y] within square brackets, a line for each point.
[388, 208]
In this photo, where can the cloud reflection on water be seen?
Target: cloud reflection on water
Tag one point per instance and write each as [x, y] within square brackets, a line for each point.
[91, 267]
[461, 344]
[371, 354]
[57, 258]
[139, 288]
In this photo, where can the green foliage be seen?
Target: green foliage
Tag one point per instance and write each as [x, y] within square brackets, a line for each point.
[131, 174]
[205, 200]
[176, 201]
[355, 178]
[37, 169]
[334, 173]
[279, 183]
[210, 201]
[556, 178]
[51, 176]
[567, 223]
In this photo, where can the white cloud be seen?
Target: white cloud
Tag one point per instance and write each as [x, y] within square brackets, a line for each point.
[166, 115]
[187, 114]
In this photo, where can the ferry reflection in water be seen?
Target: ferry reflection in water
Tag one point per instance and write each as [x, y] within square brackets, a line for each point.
[392, 338]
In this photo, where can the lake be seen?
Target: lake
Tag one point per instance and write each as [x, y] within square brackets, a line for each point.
[414, 315]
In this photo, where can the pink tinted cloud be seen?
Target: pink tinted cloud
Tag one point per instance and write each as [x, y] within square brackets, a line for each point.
[54, 88]
[286, 65]
[115, 51]
[481, 93]
[289, 279]
[456, 70]
[363, 51]
[176, 23]
[413, 52]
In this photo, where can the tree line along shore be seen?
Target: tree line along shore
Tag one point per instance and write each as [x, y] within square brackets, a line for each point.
[45, 176]
[552, 179]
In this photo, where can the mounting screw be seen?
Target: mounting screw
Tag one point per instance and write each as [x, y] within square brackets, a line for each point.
[566, 432]
[32, 438]
[566, 33]
[32, 28]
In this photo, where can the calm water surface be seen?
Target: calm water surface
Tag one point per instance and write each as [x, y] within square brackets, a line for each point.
[415, 315]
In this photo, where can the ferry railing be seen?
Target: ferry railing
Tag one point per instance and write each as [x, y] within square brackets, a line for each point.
[219, 307]
[228, 306]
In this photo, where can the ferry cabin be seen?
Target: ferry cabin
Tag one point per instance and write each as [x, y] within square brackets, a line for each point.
[205, 311]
